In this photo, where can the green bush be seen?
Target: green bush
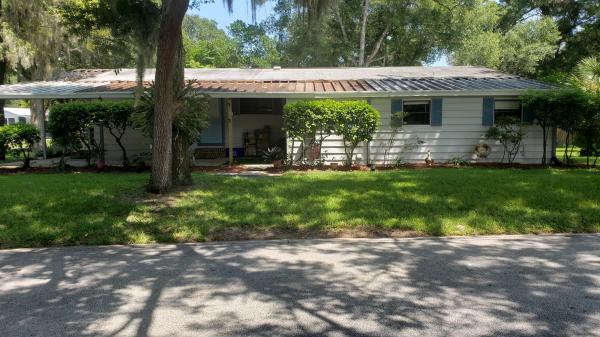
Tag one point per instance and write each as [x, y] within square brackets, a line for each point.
[509, 132]
[116, 117]
[20, 139]
[299, 122]
[71, 126]
[4, 140]
[355, 121]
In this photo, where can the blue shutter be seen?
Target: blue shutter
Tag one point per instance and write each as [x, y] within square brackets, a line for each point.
[436, 112]
[527, 115]
[487, 118]
[397, 105]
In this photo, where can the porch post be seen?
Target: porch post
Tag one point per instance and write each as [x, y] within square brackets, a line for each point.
[229, 108]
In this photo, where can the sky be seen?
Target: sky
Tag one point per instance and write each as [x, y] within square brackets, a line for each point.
[241, 11]
[218, 12]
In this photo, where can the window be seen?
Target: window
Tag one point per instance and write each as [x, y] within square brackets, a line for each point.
[417, 112]
[509, 108]
[10, 121]
[22, 120]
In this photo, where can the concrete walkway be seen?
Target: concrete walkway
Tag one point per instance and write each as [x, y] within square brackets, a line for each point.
[482, 286]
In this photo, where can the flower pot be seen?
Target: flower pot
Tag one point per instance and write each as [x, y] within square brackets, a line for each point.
[334, 165]
[100, 164]
[278, 163]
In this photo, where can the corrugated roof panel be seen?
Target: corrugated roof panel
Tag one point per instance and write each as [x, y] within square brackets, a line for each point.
[60, 89]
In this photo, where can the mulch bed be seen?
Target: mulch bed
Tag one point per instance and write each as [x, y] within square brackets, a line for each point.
[299, 168]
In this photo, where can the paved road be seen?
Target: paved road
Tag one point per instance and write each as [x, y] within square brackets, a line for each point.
[486, 286]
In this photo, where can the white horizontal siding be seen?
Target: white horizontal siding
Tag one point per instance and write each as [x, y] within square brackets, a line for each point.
[133, 140]
[461, 130]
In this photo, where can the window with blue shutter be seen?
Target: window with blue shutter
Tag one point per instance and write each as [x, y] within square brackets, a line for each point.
[487, 118]
[397, 106]
[436, 112]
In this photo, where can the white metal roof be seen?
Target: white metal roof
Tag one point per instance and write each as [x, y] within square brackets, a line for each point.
[302, 83]
[302, 74]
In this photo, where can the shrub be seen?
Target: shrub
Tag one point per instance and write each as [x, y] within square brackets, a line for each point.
[356, 122]
[21, 140]
[299, 122]
[117, 118]
[542, 105]
[509, 132]
[588, 132]
[4, 140]
[71, 125]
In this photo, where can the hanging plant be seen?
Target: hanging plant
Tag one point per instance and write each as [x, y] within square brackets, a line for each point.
[482, 150]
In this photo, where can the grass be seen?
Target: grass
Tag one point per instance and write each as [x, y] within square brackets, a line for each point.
[88, 208]
[576, 158]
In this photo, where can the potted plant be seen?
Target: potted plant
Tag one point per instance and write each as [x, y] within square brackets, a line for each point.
[274, 155]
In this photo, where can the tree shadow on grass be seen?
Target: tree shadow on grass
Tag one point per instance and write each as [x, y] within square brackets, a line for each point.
[526, 286]
[435, 202]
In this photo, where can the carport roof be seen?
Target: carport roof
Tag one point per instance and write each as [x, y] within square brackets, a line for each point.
[309, 82]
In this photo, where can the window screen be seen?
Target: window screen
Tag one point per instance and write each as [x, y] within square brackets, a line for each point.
[509, 108]
[417, 112]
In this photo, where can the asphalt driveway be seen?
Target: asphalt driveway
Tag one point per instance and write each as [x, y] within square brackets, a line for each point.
[483, 286]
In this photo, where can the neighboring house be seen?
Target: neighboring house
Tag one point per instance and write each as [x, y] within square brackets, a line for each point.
[450, 107]
[17, 115]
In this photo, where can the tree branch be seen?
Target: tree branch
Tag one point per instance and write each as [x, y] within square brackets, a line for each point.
[378, 45]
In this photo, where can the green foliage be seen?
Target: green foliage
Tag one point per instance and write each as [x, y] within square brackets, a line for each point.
[189, 120]
[457, 161]
[299, 122]
[518, 50]
[255, 48]
[356, 122]
[542, 104]
[71, 125]
[4, 141]
[588, 131]
[20, 138]
[509, 132]
[117, 118]
[272, 154]
[206, 45]
[586, 75]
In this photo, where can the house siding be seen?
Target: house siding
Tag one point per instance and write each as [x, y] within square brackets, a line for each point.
[460, 131]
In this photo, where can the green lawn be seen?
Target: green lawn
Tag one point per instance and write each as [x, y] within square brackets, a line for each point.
[67, 209]
[576, 158]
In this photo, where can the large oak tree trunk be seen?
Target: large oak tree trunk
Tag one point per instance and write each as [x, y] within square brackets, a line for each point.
[169, 38]
[182, 172]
